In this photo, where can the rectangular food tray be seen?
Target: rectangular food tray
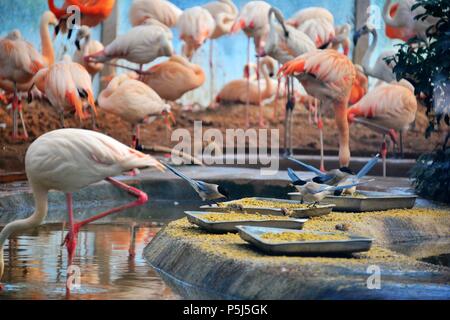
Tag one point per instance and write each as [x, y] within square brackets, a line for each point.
[373, 201]
[253, 236]
[314, 211]
[195, 217]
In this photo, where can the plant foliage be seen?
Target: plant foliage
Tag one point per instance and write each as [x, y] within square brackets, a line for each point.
[431, 175]
[426, 63]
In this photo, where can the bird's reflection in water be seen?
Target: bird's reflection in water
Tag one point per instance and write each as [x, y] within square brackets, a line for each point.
[36, 264]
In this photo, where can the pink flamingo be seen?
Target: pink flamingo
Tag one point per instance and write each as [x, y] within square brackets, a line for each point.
[67, 85]
[224, 13]
[237, 91]
[328, 76]
[19, 62]
[161, 10]
[171, 79]
[195, 25]
[93, 12]
[400, 22]
[254, 21]
[85, 47]
[134, 102]
[68, 160]
[141, 45]
[388, 107]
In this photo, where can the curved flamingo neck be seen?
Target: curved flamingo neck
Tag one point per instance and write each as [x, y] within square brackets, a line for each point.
[41, 202]
[56, 11]
[368, 55]
[47, 46]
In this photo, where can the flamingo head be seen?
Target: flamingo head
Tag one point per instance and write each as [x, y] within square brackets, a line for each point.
[238, 26]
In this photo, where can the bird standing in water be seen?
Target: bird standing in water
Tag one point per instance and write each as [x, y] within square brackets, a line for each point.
[68, 160]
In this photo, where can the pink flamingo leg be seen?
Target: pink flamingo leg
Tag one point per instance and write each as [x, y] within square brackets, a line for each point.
[320, 126]
[247, 104]
[15, 107]
[71, 238]
[384, 154]
[275, 108]
[132, 248]
[261, 110]
[25, 133]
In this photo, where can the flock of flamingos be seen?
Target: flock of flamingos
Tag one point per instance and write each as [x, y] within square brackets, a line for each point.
[307, 46]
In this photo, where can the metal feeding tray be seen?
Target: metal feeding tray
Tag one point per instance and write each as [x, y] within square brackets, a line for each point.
[313, 211]
[196, 217]
[328, 247]
[367, 201]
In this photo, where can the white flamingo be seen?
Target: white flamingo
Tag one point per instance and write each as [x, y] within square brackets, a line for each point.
[68, 160]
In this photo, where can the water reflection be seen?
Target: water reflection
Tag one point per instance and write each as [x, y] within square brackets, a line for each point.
[36, 264]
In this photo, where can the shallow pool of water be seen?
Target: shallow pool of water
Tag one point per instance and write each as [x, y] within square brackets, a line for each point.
[36, 264]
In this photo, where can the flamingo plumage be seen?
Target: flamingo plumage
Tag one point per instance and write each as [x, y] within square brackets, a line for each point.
[236, 91]
[19, 62]
[171, 79]
[68, 160]
[85, 47]
[400, 20]
[161, 10]
[67, 85]
[133, 101]
[253, 20]
[141, 45]
[385, 109]
[328, 76]
[93, 12]
[195, 25]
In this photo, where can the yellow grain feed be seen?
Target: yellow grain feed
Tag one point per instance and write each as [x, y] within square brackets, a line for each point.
[304, 236]
[232, 216]
[252, 203]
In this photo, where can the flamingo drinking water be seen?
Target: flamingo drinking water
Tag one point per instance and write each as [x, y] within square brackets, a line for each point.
[68, 160]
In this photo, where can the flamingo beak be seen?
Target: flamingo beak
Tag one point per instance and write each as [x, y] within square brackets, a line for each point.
[77, 44]
[238, 26]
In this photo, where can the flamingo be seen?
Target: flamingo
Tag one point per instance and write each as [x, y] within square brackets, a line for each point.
[254, 21]
[67, 85]
[317, 23]
[342, 38]
[195, 25]
[173, 78]
[236, 91]
[401, 23]
[161, 10]
[87, 48]
[388, 107]
[68, 160]
[328, 76]
[19, 62]
[381, 70]
[303, 15]
[141, 45]
[93, 12]
[224, 13]
[284, 44]
[134, 102]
